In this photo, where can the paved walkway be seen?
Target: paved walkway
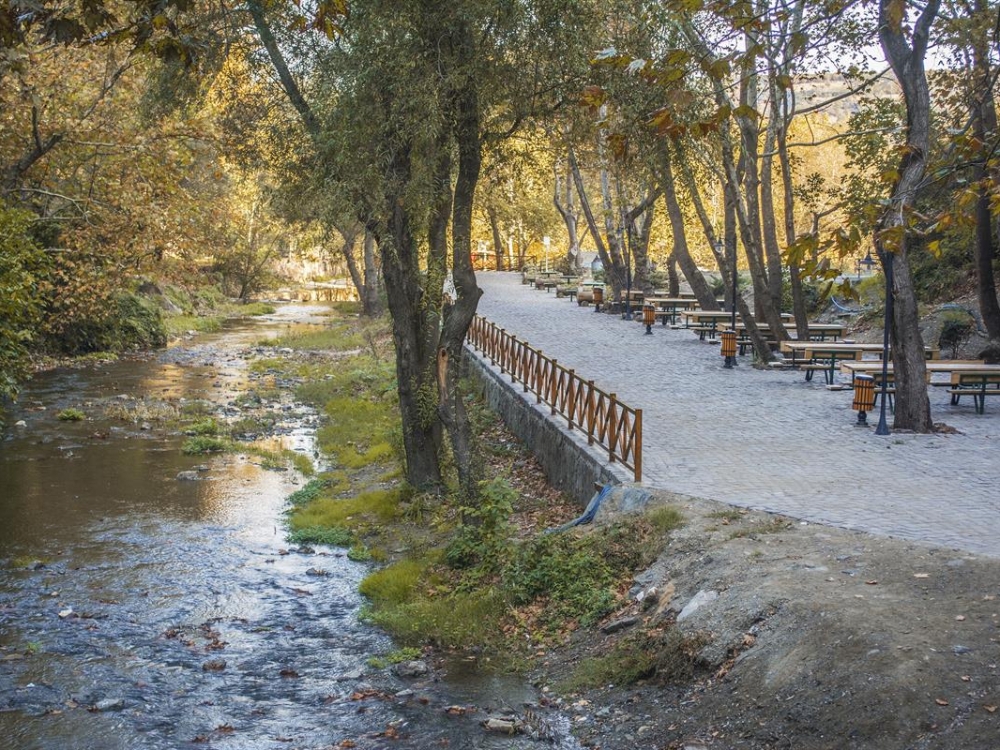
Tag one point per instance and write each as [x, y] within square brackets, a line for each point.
[766, 439]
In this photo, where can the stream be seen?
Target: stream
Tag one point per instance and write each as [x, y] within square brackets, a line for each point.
[138, 610]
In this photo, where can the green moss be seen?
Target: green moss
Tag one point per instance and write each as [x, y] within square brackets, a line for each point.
[394, 657]
[204, 427]
[71, 415]
[334, 537]
[204, 444]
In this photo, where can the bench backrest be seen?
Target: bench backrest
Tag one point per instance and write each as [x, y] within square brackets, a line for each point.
[978, 378]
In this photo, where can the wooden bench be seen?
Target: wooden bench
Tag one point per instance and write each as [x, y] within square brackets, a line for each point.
[566, 291]
[826, 362]
[979, 385]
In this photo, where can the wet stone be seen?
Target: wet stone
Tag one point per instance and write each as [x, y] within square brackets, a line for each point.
[415, 668]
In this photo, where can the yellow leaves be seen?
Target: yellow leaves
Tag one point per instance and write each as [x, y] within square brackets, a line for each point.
[895, 11]
[593, 96]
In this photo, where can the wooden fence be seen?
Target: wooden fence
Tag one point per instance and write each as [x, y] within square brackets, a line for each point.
[601, 416]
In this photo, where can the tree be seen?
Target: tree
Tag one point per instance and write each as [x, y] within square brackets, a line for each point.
[906, 56]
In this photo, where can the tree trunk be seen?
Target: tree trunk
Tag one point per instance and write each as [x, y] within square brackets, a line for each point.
[984, 126]
[458, 317]
[673, 282]
[371, 305]
[891, 240]
[498, 248]
[567, 211]
[412, 317]
[724, 261]
[702, 291]
[610, 273]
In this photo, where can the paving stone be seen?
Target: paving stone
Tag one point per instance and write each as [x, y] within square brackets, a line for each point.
[767, 439]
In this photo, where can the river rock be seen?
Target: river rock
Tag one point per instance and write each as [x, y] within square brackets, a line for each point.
[109, 704]
[20, 423]
[187, 476]
[697, 602]
[415, 668]
[615, 625]
[495, 724]
[214, 665]
[354, 674]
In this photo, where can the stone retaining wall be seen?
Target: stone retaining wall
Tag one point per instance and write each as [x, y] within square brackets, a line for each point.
[569, 463]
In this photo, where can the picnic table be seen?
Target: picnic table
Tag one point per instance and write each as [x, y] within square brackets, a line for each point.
[967, 377]
[707, 321]
[669, 308]
[811, 356]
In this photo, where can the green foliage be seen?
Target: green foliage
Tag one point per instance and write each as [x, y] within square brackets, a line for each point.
[394, 657]
[180, 324]
[312, 490]
[22, 266]
[483, 542]
[356, 513]
[202, 444]
[568, 571]
[204, 427]
[129, 322]
[71, 415]
[357, 431]
[332, 536]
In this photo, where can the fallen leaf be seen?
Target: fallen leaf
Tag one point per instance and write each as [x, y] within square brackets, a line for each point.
[289, 673]
[991, 709]
[871, 583]
[921, 575]
[347, 743]
[966, 678]
[941, 701]
[960, 618]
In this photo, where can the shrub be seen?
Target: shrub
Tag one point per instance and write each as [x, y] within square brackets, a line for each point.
[957, 327]
[22, 266]
[201, 444]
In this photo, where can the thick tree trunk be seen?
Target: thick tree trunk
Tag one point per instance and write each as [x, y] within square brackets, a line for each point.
[458, 317]
[891, 241]
[413, 312]
[984, 126]
[702, 291]
[673, 281]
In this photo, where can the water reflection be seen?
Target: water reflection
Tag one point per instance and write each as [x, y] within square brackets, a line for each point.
[137, 610]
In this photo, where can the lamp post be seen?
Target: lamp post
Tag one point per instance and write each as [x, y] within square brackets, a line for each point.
[886, 258]
[868, 262]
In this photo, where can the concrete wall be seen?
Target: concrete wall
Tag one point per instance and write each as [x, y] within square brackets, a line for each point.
[569, 463]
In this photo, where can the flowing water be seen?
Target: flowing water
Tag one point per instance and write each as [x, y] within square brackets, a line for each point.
[141, 611]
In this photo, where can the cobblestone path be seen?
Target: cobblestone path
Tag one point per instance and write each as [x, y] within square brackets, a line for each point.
[767, 439]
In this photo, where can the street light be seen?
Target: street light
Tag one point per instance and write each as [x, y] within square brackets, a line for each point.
[886, 258]
[868, 262]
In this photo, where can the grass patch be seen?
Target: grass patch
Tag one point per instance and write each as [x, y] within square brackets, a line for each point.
[204, 427]
[202, 444]
[458, 620]
[664, 657]
[359, 512]
[144, 410]
[254, 309]
[332, 536]
[727, 514]
[178, 325]
[771, 526]
[394, 657]
[71, 415]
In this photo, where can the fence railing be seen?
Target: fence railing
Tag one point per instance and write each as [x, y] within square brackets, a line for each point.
[600, 416]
